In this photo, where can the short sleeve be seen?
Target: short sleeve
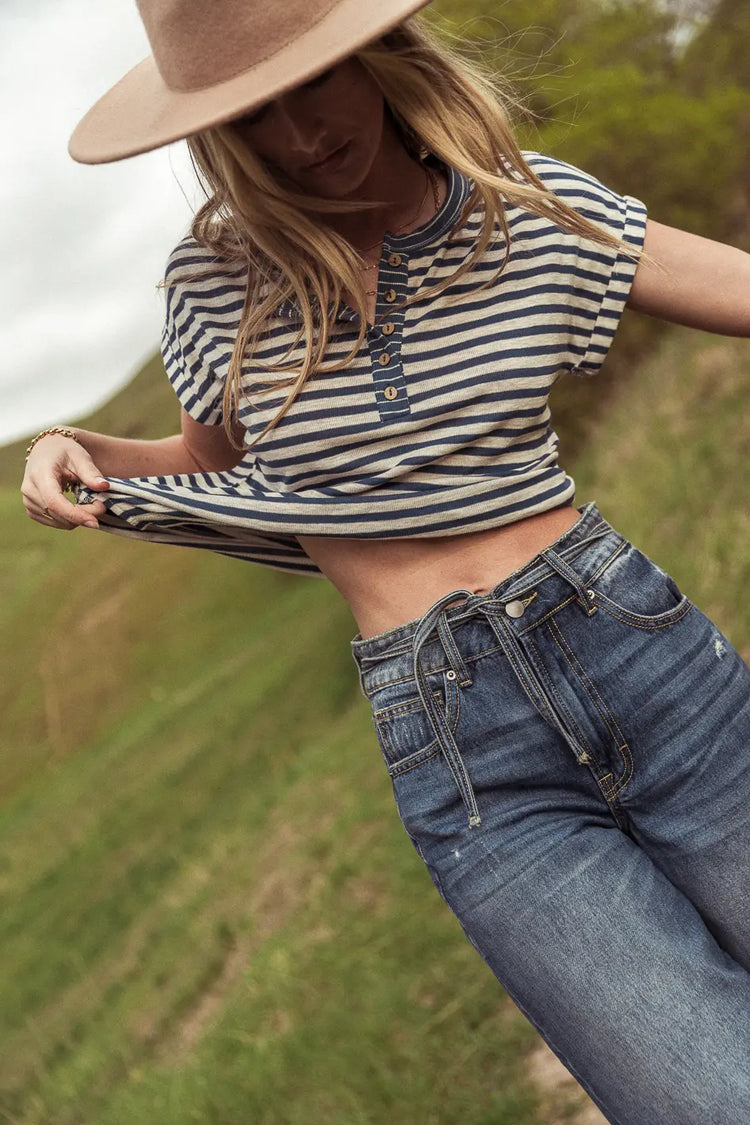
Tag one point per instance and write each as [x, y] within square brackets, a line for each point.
[598, 277]
[204, 301]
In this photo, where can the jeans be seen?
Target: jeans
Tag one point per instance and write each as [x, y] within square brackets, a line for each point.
[570, 755]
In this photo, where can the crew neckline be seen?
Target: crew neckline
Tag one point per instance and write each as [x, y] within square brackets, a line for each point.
[458, 191]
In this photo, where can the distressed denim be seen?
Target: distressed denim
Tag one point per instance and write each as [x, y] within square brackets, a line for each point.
[570, 755]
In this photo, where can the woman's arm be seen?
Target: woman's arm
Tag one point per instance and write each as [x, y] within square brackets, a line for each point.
[704, 284]
[56, 461]
[197, 449]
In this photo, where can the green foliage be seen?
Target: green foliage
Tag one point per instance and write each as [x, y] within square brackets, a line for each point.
[611, 86]
[667, 464]
[718, 51]
[619, 88]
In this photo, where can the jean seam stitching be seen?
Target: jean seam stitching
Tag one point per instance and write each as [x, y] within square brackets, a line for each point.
[569, 718]
[600, 705]
[524, 676]
[649, 624]
[608, 561]
[548, 614]
[451, 716]
[442, 668]
[398, 769]
[396, 710]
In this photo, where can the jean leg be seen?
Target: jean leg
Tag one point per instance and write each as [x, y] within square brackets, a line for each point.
[588, 887]
[615, 968]
[688, 803]
[608, 959]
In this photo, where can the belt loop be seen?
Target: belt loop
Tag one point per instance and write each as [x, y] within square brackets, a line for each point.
[361, 675]
[585, 597]
[451, 651]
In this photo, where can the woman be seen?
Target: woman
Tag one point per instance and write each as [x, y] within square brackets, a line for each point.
[363, 328]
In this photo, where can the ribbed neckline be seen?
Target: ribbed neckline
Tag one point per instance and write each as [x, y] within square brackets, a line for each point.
[458, 191]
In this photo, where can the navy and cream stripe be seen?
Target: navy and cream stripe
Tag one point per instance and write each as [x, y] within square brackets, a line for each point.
[441, 424]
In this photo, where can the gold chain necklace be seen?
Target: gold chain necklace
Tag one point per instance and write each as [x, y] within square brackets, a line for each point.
[431, 182]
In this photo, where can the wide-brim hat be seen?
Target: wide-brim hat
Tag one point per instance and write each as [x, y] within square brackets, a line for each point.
[217, 59]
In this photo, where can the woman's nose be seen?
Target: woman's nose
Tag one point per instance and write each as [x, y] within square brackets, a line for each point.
[300, 127]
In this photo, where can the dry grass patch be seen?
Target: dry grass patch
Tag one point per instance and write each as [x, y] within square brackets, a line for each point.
[559, 1089]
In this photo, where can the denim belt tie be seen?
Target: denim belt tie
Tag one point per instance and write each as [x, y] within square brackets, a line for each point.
[494, 609]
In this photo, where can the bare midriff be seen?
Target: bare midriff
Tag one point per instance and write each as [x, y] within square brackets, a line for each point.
[388, 582]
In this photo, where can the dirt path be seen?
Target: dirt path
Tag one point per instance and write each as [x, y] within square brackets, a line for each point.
[558, 1085]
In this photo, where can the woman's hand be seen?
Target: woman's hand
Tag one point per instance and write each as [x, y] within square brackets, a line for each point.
[54, 463]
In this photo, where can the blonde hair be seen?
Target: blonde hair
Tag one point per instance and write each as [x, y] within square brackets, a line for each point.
[443, 104]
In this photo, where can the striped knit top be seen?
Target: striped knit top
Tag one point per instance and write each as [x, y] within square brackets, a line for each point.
[440, 426]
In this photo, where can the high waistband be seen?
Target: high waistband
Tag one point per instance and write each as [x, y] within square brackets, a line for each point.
[444, 638]
[589, 529]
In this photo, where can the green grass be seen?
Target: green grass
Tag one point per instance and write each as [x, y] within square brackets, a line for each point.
[215, 885]
[208, 910]
[668, 466]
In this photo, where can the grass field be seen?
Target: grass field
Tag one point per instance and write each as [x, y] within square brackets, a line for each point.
[209, 912]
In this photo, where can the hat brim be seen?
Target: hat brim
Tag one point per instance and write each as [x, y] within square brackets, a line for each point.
[141, 113]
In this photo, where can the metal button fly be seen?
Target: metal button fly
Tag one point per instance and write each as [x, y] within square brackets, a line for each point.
[390, 392]
[515, 609]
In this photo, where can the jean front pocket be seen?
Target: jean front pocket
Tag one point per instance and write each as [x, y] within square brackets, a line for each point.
[404, 729]
[637, 592]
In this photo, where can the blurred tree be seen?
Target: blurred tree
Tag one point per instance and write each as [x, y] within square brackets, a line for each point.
[718, 52]
[651, 96]
[716, 59]
[612, 86]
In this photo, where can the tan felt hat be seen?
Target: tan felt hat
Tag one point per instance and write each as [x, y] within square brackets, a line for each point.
[216, 59]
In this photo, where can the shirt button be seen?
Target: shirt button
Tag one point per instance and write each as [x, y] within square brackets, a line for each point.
[390, 392]
[388, 328]
[515, 609]
[384, 359]
[395, 260]
[390, 295]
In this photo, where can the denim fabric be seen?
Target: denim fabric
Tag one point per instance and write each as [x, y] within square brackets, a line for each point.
[570, 756]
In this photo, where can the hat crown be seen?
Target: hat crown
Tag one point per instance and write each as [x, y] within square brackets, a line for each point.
[197, 45]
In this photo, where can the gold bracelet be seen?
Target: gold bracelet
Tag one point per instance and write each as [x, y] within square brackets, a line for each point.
[63, 430]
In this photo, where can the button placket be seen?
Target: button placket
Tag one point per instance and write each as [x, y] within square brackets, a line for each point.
[384, 338]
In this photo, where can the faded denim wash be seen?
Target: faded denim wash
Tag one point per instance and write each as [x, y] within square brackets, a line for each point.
[570, 756]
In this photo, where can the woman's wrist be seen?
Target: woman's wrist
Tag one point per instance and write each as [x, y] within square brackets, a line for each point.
[63, 431]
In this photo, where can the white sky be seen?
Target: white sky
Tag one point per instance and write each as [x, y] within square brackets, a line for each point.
[83, 246]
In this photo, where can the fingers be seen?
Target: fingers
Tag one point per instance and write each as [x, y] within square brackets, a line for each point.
[83, 469]
[53, 465]
[60, 513]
